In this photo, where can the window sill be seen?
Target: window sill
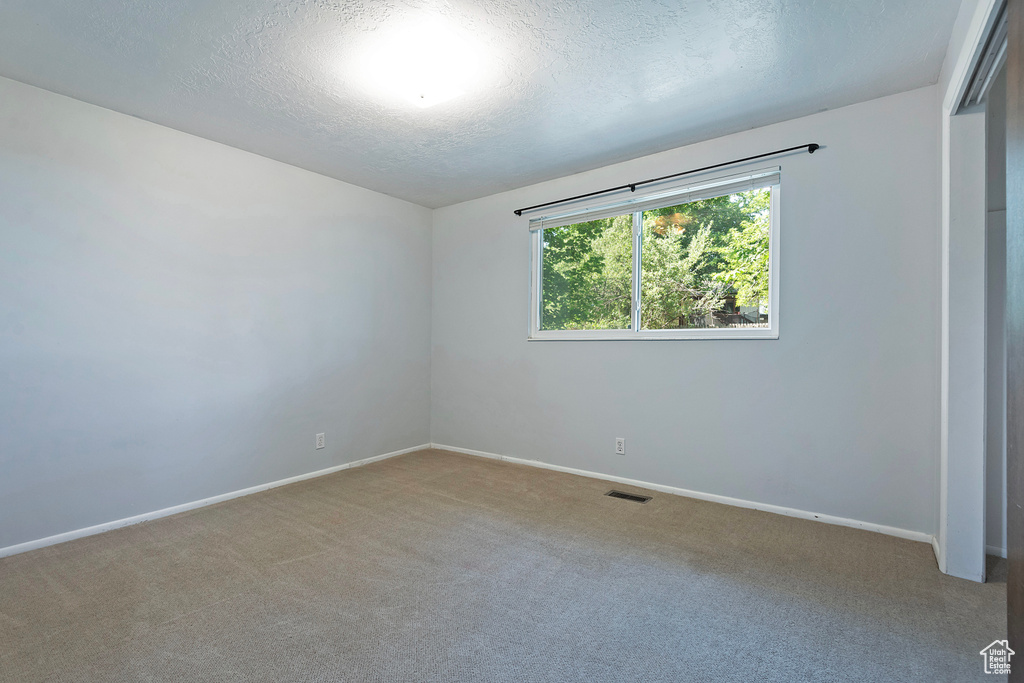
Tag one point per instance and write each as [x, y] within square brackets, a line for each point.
[654, 335]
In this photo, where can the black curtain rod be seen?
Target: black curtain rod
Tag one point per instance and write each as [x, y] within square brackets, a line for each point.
[811, 149]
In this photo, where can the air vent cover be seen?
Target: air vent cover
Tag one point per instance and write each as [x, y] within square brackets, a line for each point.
[628, 496]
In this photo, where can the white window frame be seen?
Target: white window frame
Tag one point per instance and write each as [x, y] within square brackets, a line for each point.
[635, 333]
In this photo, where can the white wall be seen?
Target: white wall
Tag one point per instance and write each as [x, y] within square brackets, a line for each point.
[838, 416]
[960, 546]
[962, 417]
[179, 318]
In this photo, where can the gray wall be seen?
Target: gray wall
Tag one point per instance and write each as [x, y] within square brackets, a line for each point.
[995, 302]
[839, 416]
[179, 318]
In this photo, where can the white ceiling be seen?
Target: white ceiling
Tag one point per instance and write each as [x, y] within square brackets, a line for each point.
[567, 86]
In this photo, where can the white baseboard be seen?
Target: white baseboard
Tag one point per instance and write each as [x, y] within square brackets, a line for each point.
[156, 514]
[736, 502]
[994, 550]
[989, 550]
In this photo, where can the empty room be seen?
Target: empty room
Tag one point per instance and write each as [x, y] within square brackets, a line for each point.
[511, 341]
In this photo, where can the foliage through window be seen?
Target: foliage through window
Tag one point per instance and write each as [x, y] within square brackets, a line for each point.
[700, 267]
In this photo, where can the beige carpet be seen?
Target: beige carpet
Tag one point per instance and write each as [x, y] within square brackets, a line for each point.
[441, 567]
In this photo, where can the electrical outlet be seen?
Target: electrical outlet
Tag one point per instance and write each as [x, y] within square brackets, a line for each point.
[320, 441]
[620, 446]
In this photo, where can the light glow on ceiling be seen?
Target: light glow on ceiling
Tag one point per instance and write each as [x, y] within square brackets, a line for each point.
[423, 63]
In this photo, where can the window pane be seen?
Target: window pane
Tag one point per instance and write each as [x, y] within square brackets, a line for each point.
[705, 264]
[587, 271]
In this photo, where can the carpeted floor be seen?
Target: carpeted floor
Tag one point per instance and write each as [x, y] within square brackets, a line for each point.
[435, 566]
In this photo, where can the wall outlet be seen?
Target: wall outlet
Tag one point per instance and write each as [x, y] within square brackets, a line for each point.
[620, 446]
[320, 441]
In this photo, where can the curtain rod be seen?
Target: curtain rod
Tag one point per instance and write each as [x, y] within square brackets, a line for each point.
[811, 149]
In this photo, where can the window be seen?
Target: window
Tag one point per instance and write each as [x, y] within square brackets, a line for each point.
[682, 263]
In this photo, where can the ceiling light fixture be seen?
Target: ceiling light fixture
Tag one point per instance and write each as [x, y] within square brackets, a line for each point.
[423, 63]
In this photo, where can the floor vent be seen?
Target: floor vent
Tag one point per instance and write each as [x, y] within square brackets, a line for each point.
[628, 496]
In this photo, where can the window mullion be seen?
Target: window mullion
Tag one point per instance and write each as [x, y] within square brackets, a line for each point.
[638, 239]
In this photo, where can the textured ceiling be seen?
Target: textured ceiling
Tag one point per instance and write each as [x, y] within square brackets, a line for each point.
[564, 86]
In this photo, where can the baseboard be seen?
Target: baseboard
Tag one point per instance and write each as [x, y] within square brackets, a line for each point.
[995, 550]
[937, 549]
[156, 514]
[736, 502]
